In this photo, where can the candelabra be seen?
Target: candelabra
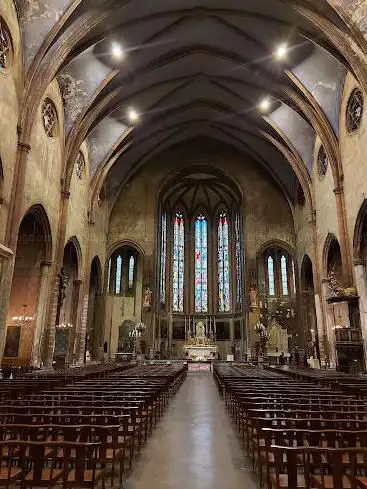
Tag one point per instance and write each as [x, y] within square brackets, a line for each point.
[135, 335]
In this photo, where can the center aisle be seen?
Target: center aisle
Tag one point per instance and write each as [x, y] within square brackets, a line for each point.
[195, 445]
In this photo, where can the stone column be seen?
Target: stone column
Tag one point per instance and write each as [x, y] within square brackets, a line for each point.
[343, 234]
[41, 313]
[83, 328]
[98, 332]
[330, 334]
[51, 328]
[75, 317]
[320, 328]
[7, 261]
[360, 274]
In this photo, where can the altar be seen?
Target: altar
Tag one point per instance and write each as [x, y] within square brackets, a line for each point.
[200, 348]
[201, 353]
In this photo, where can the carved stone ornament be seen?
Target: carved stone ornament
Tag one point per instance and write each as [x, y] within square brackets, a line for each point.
[336, 289]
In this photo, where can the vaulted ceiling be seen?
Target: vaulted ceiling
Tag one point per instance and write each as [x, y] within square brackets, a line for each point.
[190, 69]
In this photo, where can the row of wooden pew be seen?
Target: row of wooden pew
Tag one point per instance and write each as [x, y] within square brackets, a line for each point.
[81, 434]
[298, 434]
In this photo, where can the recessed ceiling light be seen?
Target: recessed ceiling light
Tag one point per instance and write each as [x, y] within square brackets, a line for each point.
[117, 50]
[264, 105]
[281, 51]
[133, 115]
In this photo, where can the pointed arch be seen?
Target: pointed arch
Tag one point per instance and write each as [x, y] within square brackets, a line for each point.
[358, 238]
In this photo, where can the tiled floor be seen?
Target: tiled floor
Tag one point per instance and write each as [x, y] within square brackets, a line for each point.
[194, 446]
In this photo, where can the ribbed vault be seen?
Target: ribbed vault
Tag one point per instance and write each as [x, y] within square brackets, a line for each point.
[191, 69]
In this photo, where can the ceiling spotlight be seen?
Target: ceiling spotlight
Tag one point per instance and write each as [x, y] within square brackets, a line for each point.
[133, 115]
[264, 105]
[117, 50]
[281, 51]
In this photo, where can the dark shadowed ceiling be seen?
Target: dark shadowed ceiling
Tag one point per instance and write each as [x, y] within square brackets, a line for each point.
[191, 69]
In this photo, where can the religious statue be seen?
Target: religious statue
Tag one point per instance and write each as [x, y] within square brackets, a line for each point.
[253, 298]
[63, 286]
[147, 303]
[335, 288]
[200, 329]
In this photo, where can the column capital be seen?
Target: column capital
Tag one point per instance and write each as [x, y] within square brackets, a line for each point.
[358, 261]
[46, 263]
[5, 253]
[339, 190]
[24, 147]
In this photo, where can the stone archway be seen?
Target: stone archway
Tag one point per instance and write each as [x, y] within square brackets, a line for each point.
[28, 297]
[360, 269]
[94, 333]
[308, 309]
[67, 311]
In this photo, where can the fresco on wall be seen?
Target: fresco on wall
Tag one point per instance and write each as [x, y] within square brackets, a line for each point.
[355, 9]
[37, 17]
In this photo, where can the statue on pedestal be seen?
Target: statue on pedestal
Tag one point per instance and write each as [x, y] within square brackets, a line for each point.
[147, 303]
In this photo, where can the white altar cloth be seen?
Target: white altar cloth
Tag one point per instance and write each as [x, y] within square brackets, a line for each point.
[201, 353]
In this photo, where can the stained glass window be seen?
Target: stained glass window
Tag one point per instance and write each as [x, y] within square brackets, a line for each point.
[283, 268]
[109, 276]
[271, 281]
[201, 264]
[5, 45]
[223, 264]
[49, 117]
[178, 262]
[131, 271]
[238, 261]
[118, 275]
[162, 278]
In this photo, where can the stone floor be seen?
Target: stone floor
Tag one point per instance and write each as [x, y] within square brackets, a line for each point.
[195, 445]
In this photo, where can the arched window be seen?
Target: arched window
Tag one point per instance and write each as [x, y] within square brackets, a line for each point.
[283, 269]
[294, 277]
[201, 263]
[223, 264]
[271, 278]
[238, 261]
[109, 275]
[178, 262]
[162, 277]
[131, 271]
[118, 275]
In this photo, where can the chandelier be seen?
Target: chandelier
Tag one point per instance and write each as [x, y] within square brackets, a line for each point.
[64, 326]
[23, 320]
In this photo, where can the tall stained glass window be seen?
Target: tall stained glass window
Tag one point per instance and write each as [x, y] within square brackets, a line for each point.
[271, 281]
[201, 264]
[294, 277]
[238, 261]
[131, 271]
[109, 275]
[162, 276]
[283, 268]
[118, 275]
[178, 262]
[223, 264]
